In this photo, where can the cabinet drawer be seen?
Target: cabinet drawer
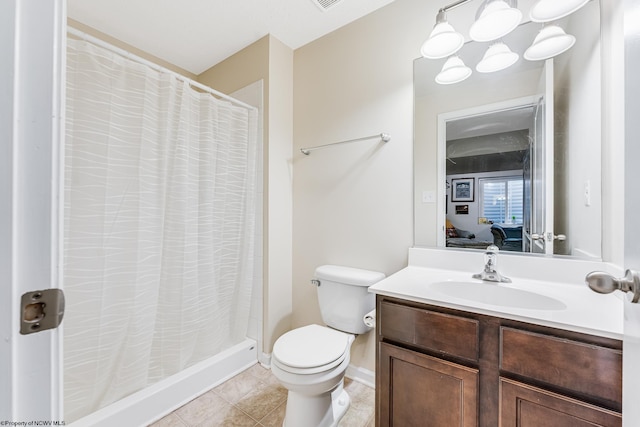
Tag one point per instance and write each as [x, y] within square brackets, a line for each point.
[430, 330]
[583, 368]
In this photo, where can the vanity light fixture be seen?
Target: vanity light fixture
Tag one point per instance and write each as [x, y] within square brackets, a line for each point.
[453, 71]
[551, 10]
[496, 58]
[443, 41]
[550, 41]
[495, 19]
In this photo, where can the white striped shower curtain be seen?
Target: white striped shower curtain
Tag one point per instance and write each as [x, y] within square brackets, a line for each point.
[159, 226]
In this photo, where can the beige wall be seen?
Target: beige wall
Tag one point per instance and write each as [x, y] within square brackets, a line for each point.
[278, 297]
[244, 67]
[269, 60]
[352, 203]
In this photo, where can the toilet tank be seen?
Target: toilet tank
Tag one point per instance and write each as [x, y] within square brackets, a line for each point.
[344, 297]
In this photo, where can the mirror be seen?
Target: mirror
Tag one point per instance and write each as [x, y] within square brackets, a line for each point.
[512, 157]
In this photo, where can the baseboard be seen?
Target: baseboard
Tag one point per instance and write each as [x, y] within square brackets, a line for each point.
[265, 359]
[361, 375]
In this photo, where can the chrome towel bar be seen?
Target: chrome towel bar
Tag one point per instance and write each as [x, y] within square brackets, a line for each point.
[384, 137]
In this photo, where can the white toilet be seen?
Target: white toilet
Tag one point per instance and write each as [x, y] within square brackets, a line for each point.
[311, 361]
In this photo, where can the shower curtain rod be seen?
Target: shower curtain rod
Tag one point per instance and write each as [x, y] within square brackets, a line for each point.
[91, 39]
[384, 137]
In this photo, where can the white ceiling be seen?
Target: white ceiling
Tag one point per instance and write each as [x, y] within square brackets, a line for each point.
[197, 34]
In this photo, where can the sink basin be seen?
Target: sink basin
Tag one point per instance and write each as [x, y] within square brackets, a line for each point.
[497, 294]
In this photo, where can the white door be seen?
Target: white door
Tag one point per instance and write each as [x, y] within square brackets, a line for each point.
[631, 345]
[538, 229]
[31, 70]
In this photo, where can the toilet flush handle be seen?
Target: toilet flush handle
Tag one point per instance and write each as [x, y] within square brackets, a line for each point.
[315, 282]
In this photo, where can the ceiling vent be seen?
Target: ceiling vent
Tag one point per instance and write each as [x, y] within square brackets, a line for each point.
[325, 4]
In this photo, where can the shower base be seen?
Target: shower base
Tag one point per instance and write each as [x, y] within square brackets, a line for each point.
[156, 401]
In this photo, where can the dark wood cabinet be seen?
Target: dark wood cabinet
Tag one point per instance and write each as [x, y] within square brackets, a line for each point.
[441, 367]
[522, 405]
[412, 377]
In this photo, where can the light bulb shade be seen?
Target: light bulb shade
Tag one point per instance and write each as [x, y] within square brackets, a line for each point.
[551, 10]
[443, 41]
[453, 71]
[550, 41]
[496, 19]
[496, 58]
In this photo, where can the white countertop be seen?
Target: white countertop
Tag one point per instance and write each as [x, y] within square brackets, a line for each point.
[584, 310]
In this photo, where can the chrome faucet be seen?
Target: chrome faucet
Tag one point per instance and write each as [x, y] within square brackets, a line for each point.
[490, 273]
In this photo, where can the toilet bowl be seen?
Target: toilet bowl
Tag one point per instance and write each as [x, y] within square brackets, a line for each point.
[311, 361]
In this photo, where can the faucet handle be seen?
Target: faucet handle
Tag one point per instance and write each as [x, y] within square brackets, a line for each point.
[491, 258]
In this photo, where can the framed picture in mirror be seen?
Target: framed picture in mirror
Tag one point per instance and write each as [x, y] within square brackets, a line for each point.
[462, 189]
[462, 209]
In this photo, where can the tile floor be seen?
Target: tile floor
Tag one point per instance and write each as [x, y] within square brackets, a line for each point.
[254, 398]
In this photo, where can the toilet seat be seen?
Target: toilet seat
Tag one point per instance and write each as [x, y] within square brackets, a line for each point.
[311, 349]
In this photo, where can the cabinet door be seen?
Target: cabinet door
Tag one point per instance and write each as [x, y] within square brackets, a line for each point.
[418, 390]
[522, 405]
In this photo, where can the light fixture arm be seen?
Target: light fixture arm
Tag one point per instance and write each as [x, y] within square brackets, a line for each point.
[453, 5]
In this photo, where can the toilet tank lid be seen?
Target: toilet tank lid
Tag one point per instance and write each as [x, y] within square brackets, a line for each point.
[348, 275]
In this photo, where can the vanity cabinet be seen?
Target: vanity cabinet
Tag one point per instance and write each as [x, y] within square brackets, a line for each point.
[412, 376]
[442, 367]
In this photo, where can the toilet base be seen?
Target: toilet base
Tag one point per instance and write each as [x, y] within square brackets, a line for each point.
[324, 410]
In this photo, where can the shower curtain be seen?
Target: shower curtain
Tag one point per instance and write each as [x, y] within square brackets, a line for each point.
[159, 223]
